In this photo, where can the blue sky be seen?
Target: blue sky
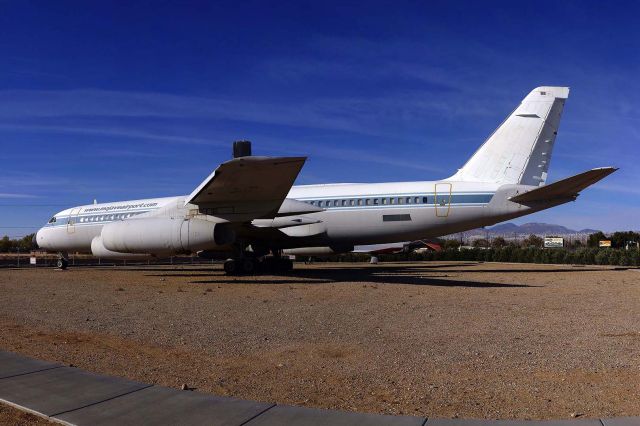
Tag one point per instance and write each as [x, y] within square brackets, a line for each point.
[123, 100]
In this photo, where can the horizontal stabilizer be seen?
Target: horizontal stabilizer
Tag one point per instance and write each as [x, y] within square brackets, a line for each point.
[247, 188]
[565, 188]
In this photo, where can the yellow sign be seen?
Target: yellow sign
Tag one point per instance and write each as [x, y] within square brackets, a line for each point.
[604, 243]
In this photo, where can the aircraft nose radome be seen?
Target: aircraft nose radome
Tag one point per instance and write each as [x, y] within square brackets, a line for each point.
[40, 240]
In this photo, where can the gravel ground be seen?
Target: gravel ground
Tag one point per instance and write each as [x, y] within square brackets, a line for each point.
[432, 339]
[14, 417]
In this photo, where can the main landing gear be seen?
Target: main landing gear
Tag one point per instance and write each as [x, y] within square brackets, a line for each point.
[63, 261]
[253, 265]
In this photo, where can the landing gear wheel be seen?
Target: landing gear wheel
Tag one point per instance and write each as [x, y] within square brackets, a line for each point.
[62, 263]
[278, 265]
[231, 267]
[285, 265]
[248, 266]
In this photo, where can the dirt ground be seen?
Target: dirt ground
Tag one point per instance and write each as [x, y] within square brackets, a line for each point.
[430, 339]
[10, 416]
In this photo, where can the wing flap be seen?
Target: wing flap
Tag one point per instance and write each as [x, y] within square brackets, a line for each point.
[247, 188]
[565, 188]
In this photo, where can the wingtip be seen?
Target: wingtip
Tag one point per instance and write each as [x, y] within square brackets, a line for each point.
[609, 169]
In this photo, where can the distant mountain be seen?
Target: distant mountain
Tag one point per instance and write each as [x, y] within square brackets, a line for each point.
[534, 228]
[506, 227]
[588, 231]
[542, 229]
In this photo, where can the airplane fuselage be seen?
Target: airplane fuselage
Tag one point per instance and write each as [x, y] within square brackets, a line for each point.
[353, 214]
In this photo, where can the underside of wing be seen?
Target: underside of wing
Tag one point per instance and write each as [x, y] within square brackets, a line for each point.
[564, 189]
[247, 188]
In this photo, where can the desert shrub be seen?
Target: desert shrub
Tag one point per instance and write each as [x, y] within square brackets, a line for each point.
[580, 256]
[498, 242]
[557, 256]
[509, 253]
[624, 259]
[614, 257]
[590, 256]
[569, 257]
[602, 257]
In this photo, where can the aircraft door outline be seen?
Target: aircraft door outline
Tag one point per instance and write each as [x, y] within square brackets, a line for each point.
[73, 218]
[442, 199]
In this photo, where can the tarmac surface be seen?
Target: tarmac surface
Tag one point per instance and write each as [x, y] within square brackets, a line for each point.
[75, 397]
[423, 339]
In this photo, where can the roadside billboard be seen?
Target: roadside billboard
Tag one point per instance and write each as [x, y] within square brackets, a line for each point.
[604, 243]
[553, 242]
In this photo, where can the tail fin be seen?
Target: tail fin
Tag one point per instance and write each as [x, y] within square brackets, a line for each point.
[519, 151]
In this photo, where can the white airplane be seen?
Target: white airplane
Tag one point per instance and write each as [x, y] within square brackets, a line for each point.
[249, 208]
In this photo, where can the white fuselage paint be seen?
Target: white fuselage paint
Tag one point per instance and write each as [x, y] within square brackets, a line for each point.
[354, 214]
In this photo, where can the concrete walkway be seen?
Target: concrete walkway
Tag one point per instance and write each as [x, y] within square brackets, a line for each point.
[73, 396]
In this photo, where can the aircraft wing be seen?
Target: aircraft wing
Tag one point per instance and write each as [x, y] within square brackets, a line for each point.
[566, 188]
[247, 188]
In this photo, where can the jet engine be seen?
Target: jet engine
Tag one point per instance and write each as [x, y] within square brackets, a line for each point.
[165, 235]
[99, 250]
[316, 251]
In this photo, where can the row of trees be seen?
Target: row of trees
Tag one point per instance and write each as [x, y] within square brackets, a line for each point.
[618, 240]
[24, 244]
[581, 256]
[497, 242]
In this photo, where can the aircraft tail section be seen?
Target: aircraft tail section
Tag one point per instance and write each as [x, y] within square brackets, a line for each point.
[519, 151]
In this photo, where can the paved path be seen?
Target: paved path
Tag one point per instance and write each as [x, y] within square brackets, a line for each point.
[72, 396]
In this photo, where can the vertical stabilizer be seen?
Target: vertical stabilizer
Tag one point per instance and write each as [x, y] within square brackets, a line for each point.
[519, 151]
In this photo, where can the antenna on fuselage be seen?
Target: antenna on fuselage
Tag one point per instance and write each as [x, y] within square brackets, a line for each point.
[95, 201]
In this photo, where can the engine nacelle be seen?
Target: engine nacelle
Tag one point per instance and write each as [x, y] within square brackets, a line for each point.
[164, 235]
[99, 250]
[316, 251]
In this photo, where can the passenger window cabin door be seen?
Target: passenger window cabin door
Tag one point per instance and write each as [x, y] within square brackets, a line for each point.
[71, 222]
[442, 199]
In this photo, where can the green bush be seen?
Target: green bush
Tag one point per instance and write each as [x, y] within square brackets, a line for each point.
[602, 257]
[580, 256]
[614, 257]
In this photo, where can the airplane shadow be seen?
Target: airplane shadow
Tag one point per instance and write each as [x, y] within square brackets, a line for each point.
[365, 275]
[212, 272]
[521, 270]
[160, 270]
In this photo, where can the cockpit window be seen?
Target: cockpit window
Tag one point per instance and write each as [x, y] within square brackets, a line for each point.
[52, 220]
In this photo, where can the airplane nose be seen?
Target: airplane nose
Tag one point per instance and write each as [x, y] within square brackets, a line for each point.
[39, 239]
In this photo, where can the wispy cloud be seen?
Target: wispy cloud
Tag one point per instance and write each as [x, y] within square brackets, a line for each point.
[106, 130]
[622, 189]
[13, 195]
[127, 153]
[30, 180]
[372, 115]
